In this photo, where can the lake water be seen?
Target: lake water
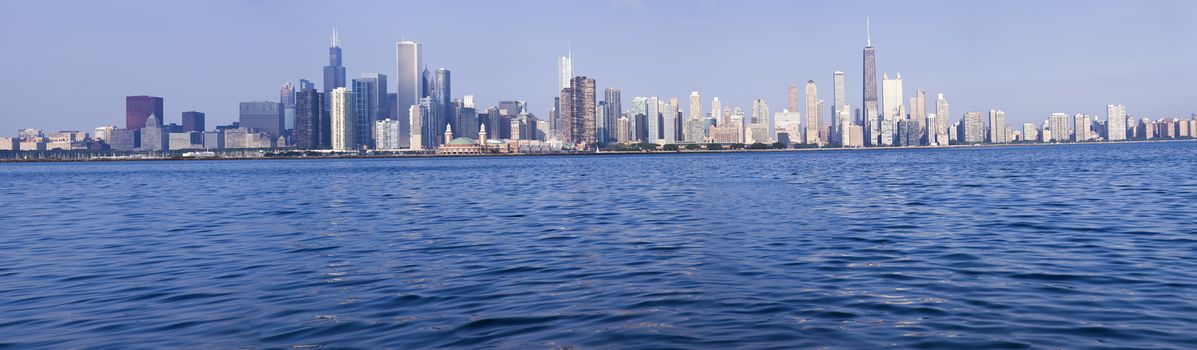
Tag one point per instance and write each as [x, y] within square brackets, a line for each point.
[1069, 246]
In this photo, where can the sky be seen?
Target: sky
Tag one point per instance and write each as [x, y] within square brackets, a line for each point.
[69, 64]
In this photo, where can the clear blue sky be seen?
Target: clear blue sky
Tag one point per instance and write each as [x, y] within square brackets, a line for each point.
[69, 64]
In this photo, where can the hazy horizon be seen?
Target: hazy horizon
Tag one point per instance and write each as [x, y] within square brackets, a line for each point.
[1027, 58]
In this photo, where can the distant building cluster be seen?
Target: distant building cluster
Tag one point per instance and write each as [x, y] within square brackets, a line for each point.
[421, 115]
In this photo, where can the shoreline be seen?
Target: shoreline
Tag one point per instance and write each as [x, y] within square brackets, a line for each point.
[606, 153]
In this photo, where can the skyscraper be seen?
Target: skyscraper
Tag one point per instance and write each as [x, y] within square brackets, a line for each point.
[582, 124]
[600, 122]
[139, 108]
[564, 128]
[837, 105]
[614, 110]
[193, 121]
[918, 118]
[639, 108]
[997, 126]
[409, 85]
[153, 137]
[1115, 123]
[386, 134]
[1059, 125]
[442, 98]
[565, 70]
[668, 123]
[416, 120]
[262, 116]
[872, 128]
[334, 72]
[368, 102]
[693, 126]
[793, 98]
[653, 121]
[1082, 127]
[891, 91]
[1029, 132]
[343, 119]
[942, 136]
[813, 124]
[717, 112]
[845, 127]
[760, 112]
[972, 128]
[286, 97]
[309, 121]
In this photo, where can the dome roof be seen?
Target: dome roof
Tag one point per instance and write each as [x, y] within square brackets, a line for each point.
[463, 141]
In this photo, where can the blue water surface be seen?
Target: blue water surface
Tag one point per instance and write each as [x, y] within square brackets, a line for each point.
[1067, 246]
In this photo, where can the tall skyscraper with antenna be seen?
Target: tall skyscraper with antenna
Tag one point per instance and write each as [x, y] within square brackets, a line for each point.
[565, 69]
[334, 72]
[565, 73]
[870, 111]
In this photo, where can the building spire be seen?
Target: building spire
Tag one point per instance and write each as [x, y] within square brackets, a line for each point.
[570, 50]
[868, 34]
[336, 41]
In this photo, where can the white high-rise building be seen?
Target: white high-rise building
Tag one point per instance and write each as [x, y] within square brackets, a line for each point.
[760, 112]
[653, 114]
[565, 70]
[409, 82]
[386, 134]
[844, 123]
[416, 120]
[342, 114]
[1060, 127]
[692, 127]
[1030, 133]
[1082, 127]
[789, 122]
[1115, 123]
[736, 120]
[932, 136]
[943, 136]
[837, 103]
[891, 99]
[103, 132]
[668, 123]
[918, 118]
[997, 127]
[762, 119]
[813, 124]
[717, 112]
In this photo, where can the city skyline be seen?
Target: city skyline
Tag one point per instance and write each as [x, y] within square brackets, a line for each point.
[532, 77]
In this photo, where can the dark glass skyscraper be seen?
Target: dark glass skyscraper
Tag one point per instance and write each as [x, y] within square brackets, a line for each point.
[309, 123]
[264, 116]
[193, 121]
[334, 72]
[614, 111]
[365, 94]
[305, 84]
[871, 125]
[441, 94]
[139, 108]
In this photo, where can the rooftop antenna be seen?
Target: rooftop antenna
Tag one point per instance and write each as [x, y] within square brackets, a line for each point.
[336, 42]
[868, 34]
